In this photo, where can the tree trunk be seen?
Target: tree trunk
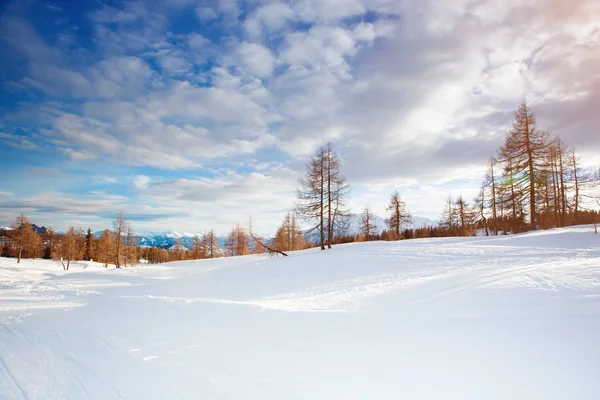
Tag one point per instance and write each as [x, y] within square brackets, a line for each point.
[329, 221]
[487, 233]
[555, 191]
[494, 213]
[531, 188]
[576, 183]
[322, 206]
[267, 247]
[562, 187]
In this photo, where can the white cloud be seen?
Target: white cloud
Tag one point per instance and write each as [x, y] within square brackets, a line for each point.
[77, 155]
[254, 59]
[268, 18]
[317, 10]
[141, 181]
[415, 91]
[17, 141]
[320, 47]
[205, 13]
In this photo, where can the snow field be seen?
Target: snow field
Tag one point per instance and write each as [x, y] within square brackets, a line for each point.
[451, 318]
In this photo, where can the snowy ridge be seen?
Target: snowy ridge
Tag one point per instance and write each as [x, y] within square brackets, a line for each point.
[378, 320]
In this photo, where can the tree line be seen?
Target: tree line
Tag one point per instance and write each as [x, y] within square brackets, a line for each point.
[117, 246]
[533, 182]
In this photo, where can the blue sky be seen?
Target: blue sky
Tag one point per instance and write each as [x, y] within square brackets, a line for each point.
[191, 115]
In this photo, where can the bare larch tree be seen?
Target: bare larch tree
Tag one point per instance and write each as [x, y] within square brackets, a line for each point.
[525, 145]
[322, 193]
[367, 224]
[398, 214]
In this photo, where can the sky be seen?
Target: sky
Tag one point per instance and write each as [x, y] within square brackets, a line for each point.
[192, 114]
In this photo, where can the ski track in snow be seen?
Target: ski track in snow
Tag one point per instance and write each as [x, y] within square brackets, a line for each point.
[39, 361]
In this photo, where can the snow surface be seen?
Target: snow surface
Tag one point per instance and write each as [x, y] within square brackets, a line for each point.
[515, 317]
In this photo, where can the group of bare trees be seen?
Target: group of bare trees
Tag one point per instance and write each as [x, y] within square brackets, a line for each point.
[116, 247]
[239, 242]
[289, 235]
[321, 204]
[535, 181]
[396, 222]
[322, 194]
[203, 246]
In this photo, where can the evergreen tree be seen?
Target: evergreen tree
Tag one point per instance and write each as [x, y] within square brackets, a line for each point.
[89, 241]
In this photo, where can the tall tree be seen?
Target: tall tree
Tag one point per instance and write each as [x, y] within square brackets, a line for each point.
[465, 217]
[448, 221]
[71, 246]
[557, 159]
[131, 254]
[367, 228]
[311, 195]
[575, 171]
[480, 204]
[230, 244]
[89, 243]
[105, 248]
[490, 182]
[525, 145]
[197, 247]
[337, 190]
[322, 193]
[49, 240]
[24, 237]
[210, 243]
[242, 245]
[398, 214]
[289, 237]
[119, 231]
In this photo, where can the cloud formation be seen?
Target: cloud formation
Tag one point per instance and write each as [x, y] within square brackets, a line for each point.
[188, 101]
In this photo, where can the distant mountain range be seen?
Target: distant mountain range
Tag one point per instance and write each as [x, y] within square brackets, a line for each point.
[167, 240]
[39, 229]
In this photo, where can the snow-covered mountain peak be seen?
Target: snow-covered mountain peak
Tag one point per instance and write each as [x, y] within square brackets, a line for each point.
[173, 235]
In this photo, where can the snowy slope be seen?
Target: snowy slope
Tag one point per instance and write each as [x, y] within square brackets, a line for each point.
[455, 318]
